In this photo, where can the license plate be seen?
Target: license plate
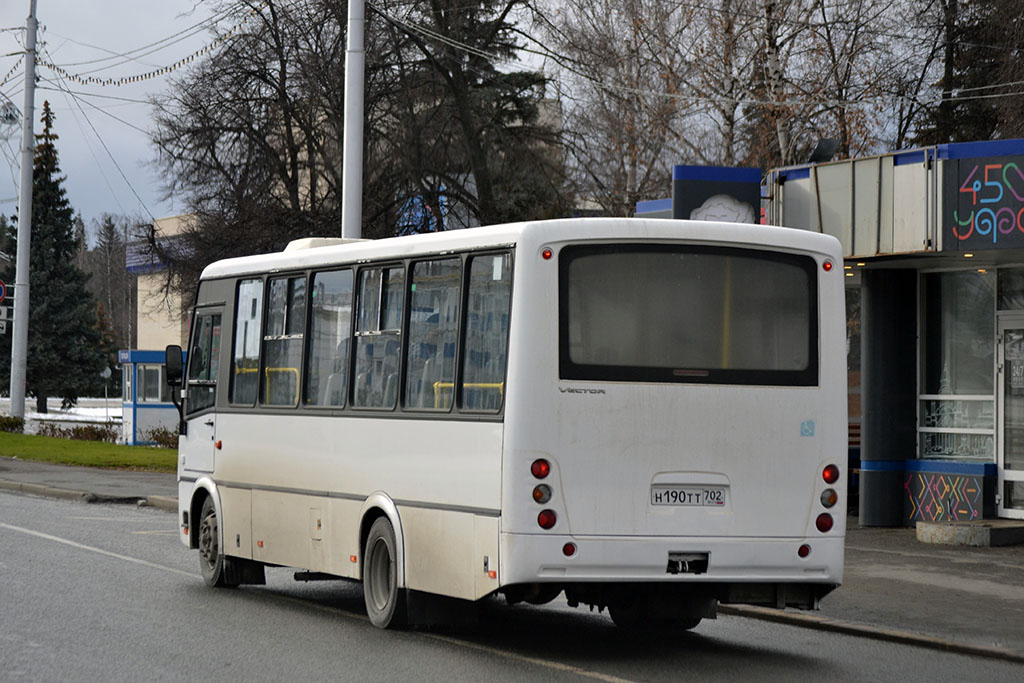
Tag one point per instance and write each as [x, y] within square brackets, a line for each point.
[688, 495]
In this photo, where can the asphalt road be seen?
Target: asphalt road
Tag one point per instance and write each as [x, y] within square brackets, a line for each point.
[95, 592]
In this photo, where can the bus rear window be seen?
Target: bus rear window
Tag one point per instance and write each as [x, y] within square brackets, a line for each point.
[674, 313]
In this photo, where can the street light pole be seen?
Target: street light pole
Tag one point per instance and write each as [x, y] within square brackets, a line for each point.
[19, 342]
[352, 171]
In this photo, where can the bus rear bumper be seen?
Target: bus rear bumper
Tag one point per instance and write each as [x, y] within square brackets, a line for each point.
[738, 565]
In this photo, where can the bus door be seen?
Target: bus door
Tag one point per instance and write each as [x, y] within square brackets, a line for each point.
[198, 446]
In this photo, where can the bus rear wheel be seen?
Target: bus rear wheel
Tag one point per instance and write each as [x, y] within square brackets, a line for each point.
[385, 602]
[213, 564]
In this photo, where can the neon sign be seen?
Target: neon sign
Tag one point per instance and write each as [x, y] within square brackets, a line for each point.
[989, 205]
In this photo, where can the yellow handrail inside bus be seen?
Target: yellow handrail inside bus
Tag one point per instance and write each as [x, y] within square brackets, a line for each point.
[438, 386]
[295, 371]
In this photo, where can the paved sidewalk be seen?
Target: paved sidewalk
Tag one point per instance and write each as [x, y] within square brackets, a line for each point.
[89, 484]
[895, 588]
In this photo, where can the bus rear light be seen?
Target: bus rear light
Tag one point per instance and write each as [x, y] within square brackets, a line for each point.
[569, 549]
[824, 522]
[830, 474]
[826, 265]
[804, 550]
[540, 468]
[546, 253]
[829, 497]
[546, 519]
[542, 493]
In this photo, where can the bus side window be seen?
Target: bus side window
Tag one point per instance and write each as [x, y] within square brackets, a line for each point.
[282, 341]
[203, 362]
[327, 366]
[377, 337]
[483, 360]
[435, 299]
[246, 359]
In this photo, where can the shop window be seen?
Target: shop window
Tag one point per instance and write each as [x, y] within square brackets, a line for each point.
[1011, 289]
[957, 403]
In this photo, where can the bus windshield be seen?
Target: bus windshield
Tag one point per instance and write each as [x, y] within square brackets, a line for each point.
[682, 313]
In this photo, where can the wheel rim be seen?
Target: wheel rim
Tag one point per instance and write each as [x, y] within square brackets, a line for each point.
[208, 540]
[381, 575]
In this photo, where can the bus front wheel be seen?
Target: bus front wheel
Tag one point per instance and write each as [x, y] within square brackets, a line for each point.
[385, 602]
[212, 562]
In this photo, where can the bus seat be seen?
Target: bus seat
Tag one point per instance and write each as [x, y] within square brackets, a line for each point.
[360, 392]
[334, 390]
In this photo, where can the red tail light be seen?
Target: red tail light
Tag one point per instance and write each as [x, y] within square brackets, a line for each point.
[569, 549]
[540, 468]
[804, 550]
[824, 522]
[546, 519]
[830, 474]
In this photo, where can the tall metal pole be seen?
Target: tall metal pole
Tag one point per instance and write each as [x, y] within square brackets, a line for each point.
[352, 178]
[19, 343]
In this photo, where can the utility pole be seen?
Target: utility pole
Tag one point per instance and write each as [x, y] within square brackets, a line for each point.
[352, 171]
[19, 343]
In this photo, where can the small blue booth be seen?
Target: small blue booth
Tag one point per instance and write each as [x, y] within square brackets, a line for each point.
[146, 400]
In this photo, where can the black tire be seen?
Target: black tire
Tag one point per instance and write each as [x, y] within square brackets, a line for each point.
[216, 568]
[385, 602]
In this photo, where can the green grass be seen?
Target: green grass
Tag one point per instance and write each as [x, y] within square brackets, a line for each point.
[87, 453]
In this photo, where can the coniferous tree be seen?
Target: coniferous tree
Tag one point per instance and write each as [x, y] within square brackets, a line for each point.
[65, 355]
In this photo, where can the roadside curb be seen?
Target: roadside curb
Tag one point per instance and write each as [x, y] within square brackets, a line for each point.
[160, 502]
[163, 503]
[873, 632]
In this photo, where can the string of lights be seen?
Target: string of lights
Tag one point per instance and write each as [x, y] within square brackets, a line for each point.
[13, 69]
[82, 79]
[132, 55]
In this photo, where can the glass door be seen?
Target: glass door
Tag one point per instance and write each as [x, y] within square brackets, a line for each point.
[1010, 461]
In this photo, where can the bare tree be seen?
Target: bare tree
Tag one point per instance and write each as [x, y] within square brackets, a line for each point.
[622, 67]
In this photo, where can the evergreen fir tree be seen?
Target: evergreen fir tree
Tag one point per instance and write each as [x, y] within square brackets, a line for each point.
[65, 354]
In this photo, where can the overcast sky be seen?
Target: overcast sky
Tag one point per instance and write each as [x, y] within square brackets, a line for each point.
[73, 31]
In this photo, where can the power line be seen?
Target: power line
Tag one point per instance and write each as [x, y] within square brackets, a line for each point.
[128, 55]
[99, 109]
[85, 79]
[106, 149]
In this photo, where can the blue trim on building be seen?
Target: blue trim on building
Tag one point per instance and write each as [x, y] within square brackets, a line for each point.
[793, 174]
[718, 174]
[986, 148]
[882, 465]
[978, 469]
[650, 205]
[915, 156]
[137, 356]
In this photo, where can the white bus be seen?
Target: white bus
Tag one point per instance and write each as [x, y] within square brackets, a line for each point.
[647, 415]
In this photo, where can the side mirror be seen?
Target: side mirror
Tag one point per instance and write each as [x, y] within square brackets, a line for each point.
[174, 365]
[174, 373]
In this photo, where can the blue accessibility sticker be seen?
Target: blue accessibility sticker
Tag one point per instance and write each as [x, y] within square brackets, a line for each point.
[807, 428]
